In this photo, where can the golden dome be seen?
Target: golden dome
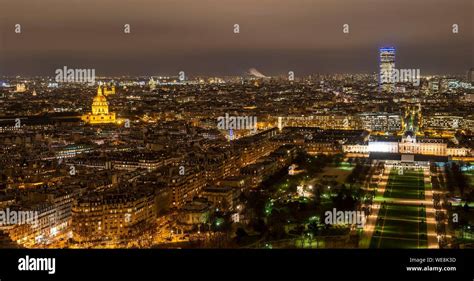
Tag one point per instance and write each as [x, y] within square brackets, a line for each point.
[100, 110]
[99, 103]
[99, 99]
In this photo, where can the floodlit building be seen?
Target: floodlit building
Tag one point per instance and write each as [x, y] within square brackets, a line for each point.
[221, 197]
[100, 110]
[442, 122]
[194, 213]
[108, 92]
[387, 65]
[113, 215]
[381, 122]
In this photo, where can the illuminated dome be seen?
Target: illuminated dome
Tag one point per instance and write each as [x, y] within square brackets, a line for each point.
[100, 104]
[100, 110]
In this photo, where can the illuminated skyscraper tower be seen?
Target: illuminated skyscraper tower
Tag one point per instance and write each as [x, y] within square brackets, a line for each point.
[387, 65]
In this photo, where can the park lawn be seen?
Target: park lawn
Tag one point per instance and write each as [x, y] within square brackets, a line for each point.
[407, 186]
[401, 225]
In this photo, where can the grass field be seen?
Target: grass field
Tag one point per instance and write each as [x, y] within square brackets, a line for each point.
[401, 225]
[407, 186]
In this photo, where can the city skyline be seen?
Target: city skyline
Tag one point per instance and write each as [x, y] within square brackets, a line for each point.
[329, 138]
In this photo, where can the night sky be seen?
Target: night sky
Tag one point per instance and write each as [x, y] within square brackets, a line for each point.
[196, 36]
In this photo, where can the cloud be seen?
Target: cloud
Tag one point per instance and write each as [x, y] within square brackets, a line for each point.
[274, 34]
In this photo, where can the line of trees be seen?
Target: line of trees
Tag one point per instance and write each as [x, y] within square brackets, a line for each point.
[358, 174]
[455, 179]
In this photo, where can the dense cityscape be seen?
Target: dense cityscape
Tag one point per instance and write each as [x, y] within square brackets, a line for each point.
[250, 161]
[236, 140]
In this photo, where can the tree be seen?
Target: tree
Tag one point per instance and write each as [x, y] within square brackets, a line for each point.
[313, 228]
[259, 225]
[466, 207]
[240, 234]
[338, 159]
[344, 200]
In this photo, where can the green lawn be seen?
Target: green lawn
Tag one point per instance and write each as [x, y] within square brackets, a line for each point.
[407, 186]
[401, 226]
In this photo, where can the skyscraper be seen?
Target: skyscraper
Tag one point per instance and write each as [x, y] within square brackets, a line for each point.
[387, 65]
